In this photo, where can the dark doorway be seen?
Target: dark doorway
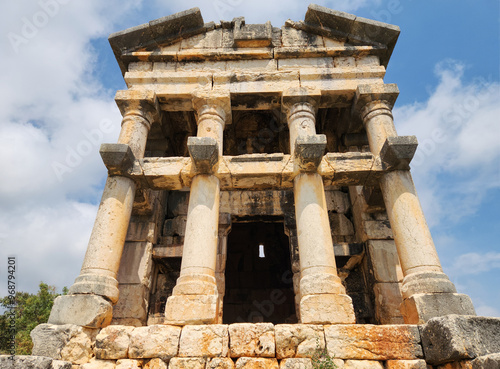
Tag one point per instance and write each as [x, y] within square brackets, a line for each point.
[259, 285]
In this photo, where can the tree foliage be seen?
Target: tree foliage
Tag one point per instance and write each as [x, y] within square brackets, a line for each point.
[30, 310]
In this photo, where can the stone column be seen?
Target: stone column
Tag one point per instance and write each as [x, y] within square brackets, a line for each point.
[194, 299]
[427, 291]
[323, 297]
[96, 288]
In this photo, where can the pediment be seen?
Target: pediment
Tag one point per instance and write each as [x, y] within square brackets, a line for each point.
[185, 37]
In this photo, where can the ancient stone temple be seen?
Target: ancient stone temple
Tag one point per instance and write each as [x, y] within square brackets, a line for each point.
[260, 210]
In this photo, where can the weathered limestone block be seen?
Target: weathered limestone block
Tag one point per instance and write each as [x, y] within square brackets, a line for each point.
[187, 363]
[154, 341]
[128, 364]
[156, 364]
[405, 364]
[340, 225]
[141, 232]
[204, 340]
[337, 201]
[112, 342]
[175, 226]
[25, 362]
[373, 342]
[132, 305]
[491, 361]
[99, 364]
[385, 261]
[256, 363]
[344, 62]
[316, 309]
[363, 364]
[220, 363]
[296, 363]
[59, 364]
[298, 340]
[252, 339]
[421, 307]
[192, 309]
[466, 364]
[63, 342]
[388, 300]
[460, 337]
[378, 230]
[136, 263]
[90, 311]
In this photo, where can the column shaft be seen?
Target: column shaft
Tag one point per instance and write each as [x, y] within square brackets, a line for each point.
[105, 248]
[426, 290]
[323, 298]
[195, 298]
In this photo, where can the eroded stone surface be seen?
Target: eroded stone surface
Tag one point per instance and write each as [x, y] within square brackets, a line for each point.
[296, 363]
[25, 362]
[252, 339]
[256, 363]
[491, 361]
[99, 364]
[458, 337]
[63, 342]
[112, 342]
[187, 363]
[128, 364]
[363, 364]
[406, 364]
[220, 363]
[371, 342]
[204, 340]
[298, 340]
[155, 364]
[154, 341]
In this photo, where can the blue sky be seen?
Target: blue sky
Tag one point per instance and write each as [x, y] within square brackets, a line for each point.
[59, 76]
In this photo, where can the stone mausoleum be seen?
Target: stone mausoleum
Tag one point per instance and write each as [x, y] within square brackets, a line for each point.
[260, 209]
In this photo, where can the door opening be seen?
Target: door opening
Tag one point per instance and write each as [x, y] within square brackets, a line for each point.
[259, 284]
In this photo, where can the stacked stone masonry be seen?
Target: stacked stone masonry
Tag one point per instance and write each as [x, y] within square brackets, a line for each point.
[264, 345]
[259, 207]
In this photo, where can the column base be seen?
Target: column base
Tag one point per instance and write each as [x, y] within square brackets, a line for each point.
[326, 309]
[426, 282]
[85, 310]
[419, 308]
[192, 309]
[321, 283]
[95, 284]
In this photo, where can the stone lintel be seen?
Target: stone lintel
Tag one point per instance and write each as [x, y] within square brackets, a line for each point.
[398, 151]
[204, 152]
[309, 152]
[118, 158]
[274, 171]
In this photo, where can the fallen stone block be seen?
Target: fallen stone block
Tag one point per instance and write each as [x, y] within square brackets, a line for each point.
[459, 337]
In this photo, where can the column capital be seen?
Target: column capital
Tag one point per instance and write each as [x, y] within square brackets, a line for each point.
[213, 102]
[143, 103]
[300, 99]
[373, 100]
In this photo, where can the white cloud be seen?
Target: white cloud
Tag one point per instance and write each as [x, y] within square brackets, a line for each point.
[476, 263]
[53, 114]
[458, 133]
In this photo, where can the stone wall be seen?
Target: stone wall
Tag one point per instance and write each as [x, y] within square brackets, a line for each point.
[451, 342]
